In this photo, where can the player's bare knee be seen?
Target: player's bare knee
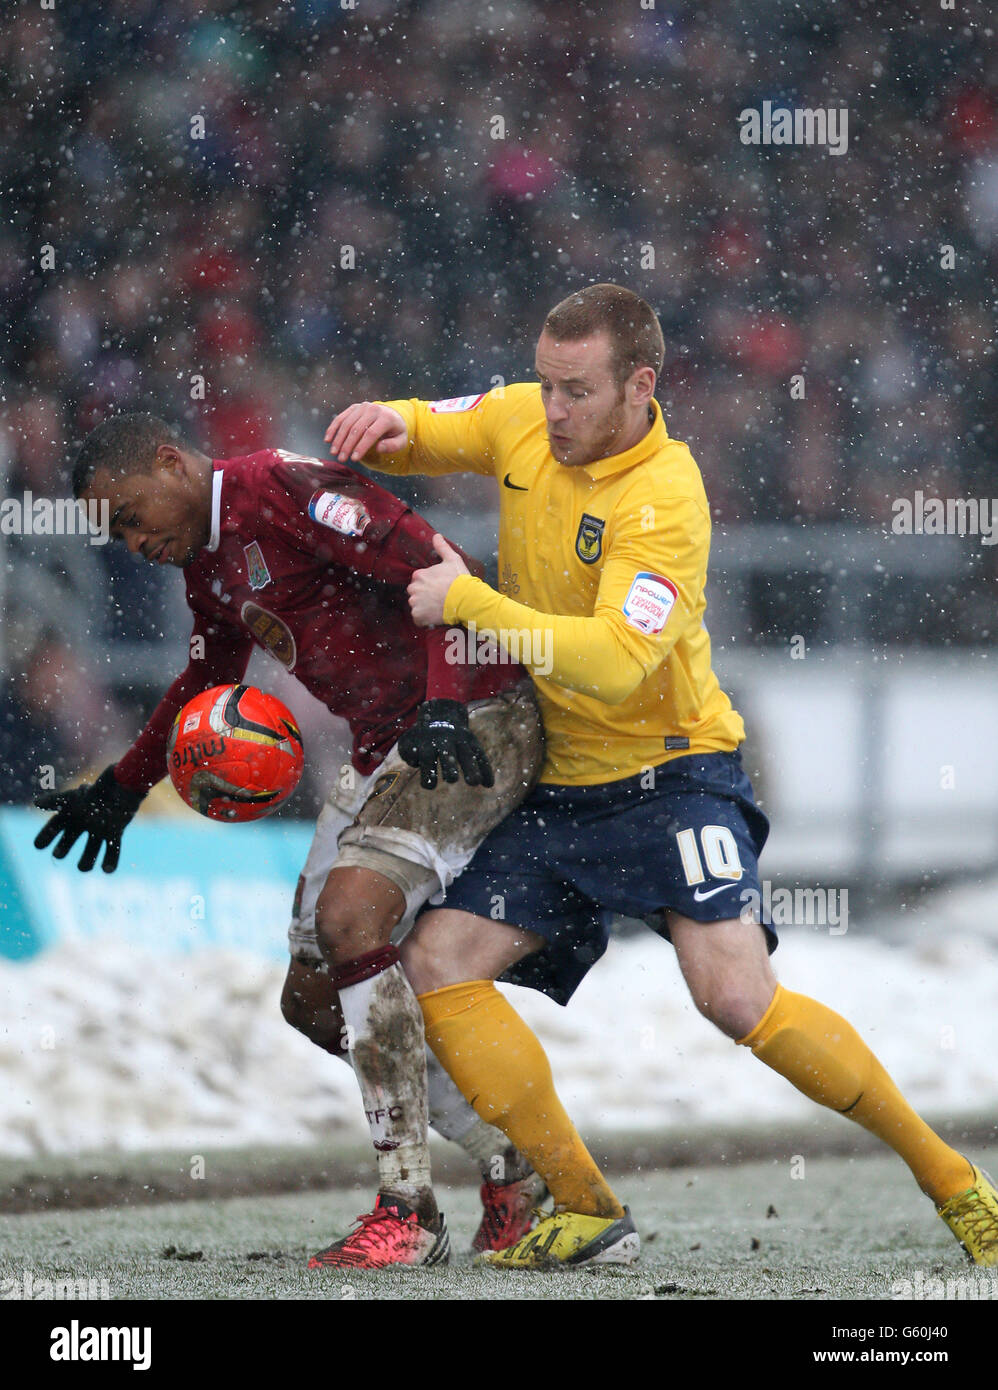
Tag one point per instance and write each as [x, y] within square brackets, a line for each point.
[421, 961]
[436, 954]
[731, 1007]
[356, 913]
[346, 930]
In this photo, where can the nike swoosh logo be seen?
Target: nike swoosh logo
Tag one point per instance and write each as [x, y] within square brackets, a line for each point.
[515, 486]
[699, 897]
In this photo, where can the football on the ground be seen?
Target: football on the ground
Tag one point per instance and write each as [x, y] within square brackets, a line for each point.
[235, 753]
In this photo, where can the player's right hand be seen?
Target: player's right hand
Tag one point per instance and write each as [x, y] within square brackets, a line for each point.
[363, 427]
[100, 811]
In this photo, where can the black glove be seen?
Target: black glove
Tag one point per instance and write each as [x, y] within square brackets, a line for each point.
[100, 811]
[441, 732]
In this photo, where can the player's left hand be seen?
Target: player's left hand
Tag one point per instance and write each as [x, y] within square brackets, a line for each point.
[100, 811]
[428, 588]
[441, 734]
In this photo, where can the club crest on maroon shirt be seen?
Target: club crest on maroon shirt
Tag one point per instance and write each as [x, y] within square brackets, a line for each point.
[256, 566]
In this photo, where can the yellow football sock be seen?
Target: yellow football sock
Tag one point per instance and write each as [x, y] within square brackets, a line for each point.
[823, 1056]
[502, 1070]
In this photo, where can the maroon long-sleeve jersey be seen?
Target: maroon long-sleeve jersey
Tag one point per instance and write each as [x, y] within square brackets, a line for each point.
[311, 562]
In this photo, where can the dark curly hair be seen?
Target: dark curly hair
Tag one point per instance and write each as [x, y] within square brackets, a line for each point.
[122, 444]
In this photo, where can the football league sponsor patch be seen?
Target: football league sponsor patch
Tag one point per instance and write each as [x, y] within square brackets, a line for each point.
[589, 538]
[256, 566]
[649, 602]
[343, 514]
[454, 404]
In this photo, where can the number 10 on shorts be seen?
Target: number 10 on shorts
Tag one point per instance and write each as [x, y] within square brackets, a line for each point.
[719, 852]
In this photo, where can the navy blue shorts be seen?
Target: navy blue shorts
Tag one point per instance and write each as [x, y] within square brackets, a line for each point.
[685, 835]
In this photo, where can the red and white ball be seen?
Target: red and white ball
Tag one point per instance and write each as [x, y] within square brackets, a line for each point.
[235, 753]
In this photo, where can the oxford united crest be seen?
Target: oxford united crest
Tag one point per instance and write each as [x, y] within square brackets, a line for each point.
[589, 540]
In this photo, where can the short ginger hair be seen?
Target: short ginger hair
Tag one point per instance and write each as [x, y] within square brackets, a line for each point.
[630, 322]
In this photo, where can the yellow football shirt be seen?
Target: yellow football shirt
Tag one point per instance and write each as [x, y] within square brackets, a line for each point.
[602, 573]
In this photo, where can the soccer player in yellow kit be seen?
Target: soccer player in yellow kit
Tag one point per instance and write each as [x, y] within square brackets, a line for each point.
[643, 807]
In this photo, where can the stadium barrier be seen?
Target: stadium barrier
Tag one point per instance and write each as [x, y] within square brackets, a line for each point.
[179, 886]
[872, 768]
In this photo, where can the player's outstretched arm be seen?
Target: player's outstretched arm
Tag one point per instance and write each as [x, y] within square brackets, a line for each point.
[414, 436]
[367, 425]
[100, 811]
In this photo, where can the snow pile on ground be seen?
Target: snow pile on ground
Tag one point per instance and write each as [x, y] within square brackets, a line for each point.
[105, 1046]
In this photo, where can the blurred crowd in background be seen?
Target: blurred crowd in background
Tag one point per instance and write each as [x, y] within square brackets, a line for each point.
[303, 204]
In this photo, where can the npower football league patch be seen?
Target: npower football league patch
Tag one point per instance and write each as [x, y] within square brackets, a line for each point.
[649, 602]
[343, 514]
[453, 404]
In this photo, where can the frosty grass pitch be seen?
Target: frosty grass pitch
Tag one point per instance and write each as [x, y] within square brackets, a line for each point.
[853, 1228]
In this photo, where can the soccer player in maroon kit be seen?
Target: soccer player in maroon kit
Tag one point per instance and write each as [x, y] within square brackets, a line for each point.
[310, 561]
